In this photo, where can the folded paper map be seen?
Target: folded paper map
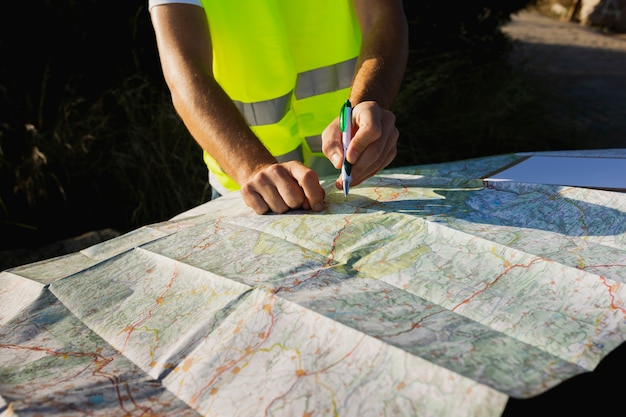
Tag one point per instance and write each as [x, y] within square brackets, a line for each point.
[426, 292]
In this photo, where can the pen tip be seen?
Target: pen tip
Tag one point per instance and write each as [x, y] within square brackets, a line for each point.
[346, 189]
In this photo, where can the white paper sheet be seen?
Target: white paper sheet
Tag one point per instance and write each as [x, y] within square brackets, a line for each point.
[602, 173]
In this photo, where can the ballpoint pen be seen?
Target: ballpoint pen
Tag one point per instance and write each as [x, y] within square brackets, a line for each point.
[345, 123]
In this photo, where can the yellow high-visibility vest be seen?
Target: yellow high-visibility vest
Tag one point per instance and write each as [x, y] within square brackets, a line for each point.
[288, 66]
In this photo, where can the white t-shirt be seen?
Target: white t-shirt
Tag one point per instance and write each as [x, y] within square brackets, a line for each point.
[152, 3]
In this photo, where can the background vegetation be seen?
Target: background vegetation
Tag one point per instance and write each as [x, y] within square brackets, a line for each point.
[89, 139]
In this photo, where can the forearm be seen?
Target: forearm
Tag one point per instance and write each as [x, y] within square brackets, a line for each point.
[185, 51]
[219, 128]
[384, 52]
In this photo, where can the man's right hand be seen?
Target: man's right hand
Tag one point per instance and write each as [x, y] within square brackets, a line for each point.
[283, 186]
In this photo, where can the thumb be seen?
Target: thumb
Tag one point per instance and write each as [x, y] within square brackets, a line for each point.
[331, 144]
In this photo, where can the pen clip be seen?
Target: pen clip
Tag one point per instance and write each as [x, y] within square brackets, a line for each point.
[345, 123]
[346, 112]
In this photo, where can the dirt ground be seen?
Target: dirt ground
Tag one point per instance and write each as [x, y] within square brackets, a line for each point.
[585, 66]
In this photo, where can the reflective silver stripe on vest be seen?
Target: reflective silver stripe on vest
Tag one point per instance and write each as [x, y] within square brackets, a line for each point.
[314, 142]
[295, 155]
[309, 83]
[265, 112]
[326, 79]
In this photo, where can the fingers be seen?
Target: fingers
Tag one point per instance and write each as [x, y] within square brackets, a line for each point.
[331, 143]
[373, 145]
[371, 162]
[281, 187]
[291, 185]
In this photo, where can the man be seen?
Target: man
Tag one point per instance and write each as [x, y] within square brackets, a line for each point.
[259, 85]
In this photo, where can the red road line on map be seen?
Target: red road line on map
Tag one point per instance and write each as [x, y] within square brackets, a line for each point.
[612, 296]
[301, 373]
[232, 363]
[99, 362]
[130, 329]
[489, 284]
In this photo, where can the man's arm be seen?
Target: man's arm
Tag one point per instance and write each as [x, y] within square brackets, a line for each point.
[380, 69]
[184, 44]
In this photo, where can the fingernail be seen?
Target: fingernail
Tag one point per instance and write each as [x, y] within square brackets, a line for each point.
[353, 157]
[335, 159]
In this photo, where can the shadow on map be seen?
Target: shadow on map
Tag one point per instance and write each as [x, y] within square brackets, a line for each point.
[531, 206]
